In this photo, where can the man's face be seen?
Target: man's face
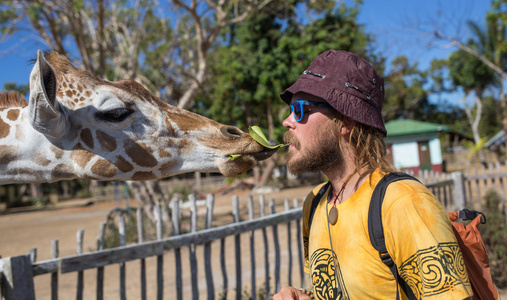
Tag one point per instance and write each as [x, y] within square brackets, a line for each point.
[314, 139]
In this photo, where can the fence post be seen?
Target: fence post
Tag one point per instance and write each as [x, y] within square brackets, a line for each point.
[17, 279]
[459, 190]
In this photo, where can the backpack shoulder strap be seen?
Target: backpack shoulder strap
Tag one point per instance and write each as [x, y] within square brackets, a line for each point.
[315, 203]
[376, 229]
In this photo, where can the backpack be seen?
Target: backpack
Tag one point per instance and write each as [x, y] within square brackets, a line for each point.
[469, 240]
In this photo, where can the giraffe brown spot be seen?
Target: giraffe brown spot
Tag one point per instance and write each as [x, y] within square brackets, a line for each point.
[170, 129]
[7, 154]
[140, 154]
[123, 165]
[184, 146]
[80, 155]
[104, 168]
[143, 176]
[107, 142]
[76, 100]
[59, 94]
[36, 174]
[88, 94]
[87, 138]
[68, 93]
[168, 165]
[85, 176]
[164, 153]
[13, 114]
[62, 171]
[64, 84]
[40, 159]
[188, 121]
[4, 129]
[57, 151]
[79, 88]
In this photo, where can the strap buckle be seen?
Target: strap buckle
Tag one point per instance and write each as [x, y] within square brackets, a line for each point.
[465, 214]
[386, 259]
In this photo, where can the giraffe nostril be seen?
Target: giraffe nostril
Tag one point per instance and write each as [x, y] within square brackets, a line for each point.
[232, 131]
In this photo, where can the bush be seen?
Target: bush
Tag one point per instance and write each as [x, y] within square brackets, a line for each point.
[112, 235]
[494, 234]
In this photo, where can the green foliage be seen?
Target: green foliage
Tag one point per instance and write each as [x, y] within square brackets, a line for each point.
[466, 71]
[255, 60]
[7, 15]
[494, 234]
[267, 53]
[405, 96]
[112, 236]
[23, 89]
[181, 190]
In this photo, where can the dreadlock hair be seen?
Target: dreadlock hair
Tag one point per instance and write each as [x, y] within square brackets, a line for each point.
[368, 143]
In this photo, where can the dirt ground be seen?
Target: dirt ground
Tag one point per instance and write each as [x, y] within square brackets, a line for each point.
[28, 228]
[25, 229]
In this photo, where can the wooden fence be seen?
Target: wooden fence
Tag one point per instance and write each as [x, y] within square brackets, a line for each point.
[257, 240]
[267, 251]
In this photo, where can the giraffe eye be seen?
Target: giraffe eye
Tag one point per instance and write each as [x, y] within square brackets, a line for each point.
[115, 115]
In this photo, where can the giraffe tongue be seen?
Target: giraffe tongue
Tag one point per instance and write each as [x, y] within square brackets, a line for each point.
[264, 154]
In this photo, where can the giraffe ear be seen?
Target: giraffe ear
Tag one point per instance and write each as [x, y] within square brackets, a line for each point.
[44, 110]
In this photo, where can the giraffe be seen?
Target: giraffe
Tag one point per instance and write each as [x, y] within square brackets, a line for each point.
[76, 125]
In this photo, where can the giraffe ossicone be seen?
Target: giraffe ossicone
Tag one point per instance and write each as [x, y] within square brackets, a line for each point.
[76, 125]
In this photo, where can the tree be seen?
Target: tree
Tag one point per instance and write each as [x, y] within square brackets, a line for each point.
[133, 39]
[469, 73]
[266, 54]
[23, 89]
[489, 46]
[405, 96]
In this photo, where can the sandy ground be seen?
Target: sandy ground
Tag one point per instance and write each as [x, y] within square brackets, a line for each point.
[26, 229]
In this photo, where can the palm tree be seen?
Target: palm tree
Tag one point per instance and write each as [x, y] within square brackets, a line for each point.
[491, 43]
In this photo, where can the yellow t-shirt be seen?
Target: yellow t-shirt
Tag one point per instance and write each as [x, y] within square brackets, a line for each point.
[418, 237]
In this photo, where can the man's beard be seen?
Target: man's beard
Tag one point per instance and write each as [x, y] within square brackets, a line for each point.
[320, 157]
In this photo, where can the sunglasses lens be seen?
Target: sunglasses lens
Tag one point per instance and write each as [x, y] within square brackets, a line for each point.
[298, 111]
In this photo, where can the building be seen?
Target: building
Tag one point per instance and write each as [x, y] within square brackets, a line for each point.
[415, 145]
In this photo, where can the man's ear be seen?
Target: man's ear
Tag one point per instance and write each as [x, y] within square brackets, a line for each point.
[348, 126]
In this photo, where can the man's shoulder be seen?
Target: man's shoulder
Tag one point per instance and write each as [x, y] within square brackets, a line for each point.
[310, 196]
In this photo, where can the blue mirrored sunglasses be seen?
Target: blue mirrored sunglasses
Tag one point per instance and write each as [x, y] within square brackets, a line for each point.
[297, 107]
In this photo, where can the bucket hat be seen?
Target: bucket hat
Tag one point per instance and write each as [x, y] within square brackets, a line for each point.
[347, 82]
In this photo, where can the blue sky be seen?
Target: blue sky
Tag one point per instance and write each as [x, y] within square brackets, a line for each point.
[390, 21]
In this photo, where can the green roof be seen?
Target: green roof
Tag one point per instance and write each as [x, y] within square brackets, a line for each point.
[398, 128]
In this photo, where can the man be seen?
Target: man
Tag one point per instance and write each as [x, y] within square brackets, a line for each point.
[336, 127]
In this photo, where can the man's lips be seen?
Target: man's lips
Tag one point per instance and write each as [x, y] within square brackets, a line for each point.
[291, 140]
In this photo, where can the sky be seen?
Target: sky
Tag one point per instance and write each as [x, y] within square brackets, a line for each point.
[393, 23]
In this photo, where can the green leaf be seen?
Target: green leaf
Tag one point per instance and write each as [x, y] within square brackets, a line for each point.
[234, 156]
[259, 137]
[257, 134]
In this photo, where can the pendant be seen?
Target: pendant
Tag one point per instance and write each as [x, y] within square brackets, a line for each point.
[333, 215]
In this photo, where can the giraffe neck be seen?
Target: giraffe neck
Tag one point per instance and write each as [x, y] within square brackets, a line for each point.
[24, 155]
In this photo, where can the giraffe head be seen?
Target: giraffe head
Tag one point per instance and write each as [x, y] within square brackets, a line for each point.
[120, 131]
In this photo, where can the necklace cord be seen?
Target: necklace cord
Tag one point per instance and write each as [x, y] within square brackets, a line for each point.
[338, 288]
[339, 192]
